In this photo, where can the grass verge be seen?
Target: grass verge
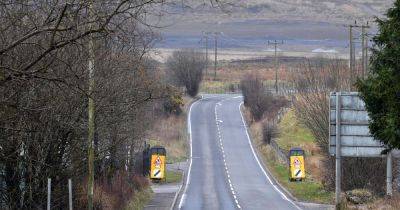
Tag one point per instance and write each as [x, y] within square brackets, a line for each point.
[173, 176]
[139, 200]
[310, 190]
[171, 133]
[293, 134]
[218, 87]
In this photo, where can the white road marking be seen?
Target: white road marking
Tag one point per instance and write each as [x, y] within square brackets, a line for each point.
[223, 153]
[259, 164]
[182, 201]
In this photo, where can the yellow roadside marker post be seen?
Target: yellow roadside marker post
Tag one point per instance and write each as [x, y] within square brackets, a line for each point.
[296, 166]
[157, 163]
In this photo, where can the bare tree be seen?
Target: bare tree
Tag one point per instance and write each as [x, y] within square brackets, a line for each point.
[186, 69]
[258, 100]
[43, 97]
[313, 81]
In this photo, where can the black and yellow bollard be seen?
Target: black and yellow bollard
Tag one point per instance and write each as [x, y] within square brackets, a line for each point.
[158, 163]
[296, 165]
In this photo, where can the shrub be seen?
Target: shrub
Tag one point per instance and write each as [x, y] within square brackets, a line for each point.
[258, 100]
[114, 193]
[186, 69]
[313, 83]
[173, 104]
[270, 131]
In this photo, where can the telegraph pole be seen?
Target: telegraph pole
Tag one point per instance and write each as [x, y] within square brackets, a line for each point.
[90, 111]
[275, 43]
[215, 53]
[351, 47]
[205, 35]
[352, 56]
[364, 50]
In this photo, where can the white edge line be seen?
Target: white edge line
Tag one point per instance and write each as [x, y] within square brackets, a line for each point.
[259, 164]
[182, 201]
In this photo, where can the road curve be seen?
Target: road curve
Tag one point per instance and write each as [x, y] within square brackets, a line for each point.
[224, 172]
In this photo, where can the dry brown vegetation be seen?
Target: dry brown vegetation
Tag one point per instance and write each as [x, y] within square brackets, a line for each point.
[313, 82]
[45, 51]
[235, 72]
[170, 132]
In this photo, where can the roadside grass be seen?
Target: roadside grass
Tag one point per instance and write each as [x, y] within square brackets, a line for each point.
[170, 132]
[380, 203]
[293, 134]
[307, 190]
[311, 189]
[139, 200]
[173, 176]
[218, 87]
[223, 86]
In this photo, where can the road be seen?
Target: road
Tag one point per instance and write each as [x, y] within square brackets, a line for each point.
[224, 172]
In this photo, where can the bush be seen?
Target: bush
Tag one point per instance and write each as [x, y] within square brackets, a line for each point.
[173, 104]
[270, 131]
[186, 69]
[314, 81]
[258, 100]
[115, 193]
[232, 87]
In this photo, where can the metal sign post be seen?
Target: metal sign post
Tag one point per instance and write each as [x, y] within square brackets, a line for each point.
[389, 189]
[48, 193]
[70, 194]
[349, 135]
[338, 155]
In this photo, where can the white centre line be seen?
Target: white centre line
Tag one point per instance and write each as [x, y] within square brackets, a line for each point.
[218, 122]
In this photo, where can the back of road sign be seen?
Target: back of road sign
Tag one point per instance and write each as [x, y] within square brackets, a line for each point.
[354, 136]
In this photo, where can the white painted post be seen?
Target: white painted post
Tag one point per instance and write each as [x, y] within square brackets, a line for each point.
[70, 193]
[48, 193]
[338, 158]
[389, 190]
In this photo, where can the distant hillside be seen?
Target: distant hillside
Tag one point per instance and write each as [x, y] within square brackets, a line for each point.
[305, 25]
[337, 11]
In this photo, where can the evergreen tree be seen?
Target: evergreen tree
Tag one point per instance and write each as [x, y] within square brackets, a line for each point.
[381, 89]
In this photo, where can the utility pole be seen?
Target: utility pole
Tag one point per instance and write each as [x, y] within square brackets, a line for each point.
[205, 35]
[90, 111]
[215, 53]
[352, 56]
[275, 43]
[364, 50]
[351, 47]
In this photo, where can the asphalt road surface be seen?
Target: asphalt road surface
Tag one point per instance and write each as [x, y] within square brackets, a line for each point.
[224, 172]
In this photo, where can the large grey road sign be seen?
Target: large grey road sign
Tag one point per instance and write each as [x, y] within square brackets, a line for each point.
[354, 136]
